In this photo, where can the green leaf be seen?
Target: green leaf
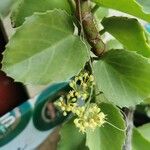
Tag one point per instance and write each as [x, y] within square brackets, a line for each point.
[127, 6]
[123, 76]
[101, 98]
[145, 4]
[139, 142]
[45, 50]
[113, 44]
[101, 12]
[71, 138]
[26, 8]
[147, 101]
[5, 6]
[145, 131]
[108, 137]
[129, 32]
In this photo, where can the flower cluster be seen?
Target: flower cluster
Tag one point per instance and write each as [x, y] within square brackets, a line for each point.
[76, 101]
[89, 118]
[81, 86]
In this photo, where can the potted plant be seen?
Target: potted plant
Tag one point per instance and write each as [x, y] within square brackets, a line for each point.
[97, 66]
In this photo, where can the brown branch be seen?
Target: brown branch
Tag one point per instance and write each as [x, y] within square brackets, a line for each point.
[84, 15]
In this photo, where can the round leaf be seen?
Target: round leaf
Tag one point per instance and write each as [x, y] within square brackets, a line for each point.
[123, 76]
[71, 138]
[44, 50]
[139, 142]
[25, 8]
[145, 131]
[127, 6]
[129, 32]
